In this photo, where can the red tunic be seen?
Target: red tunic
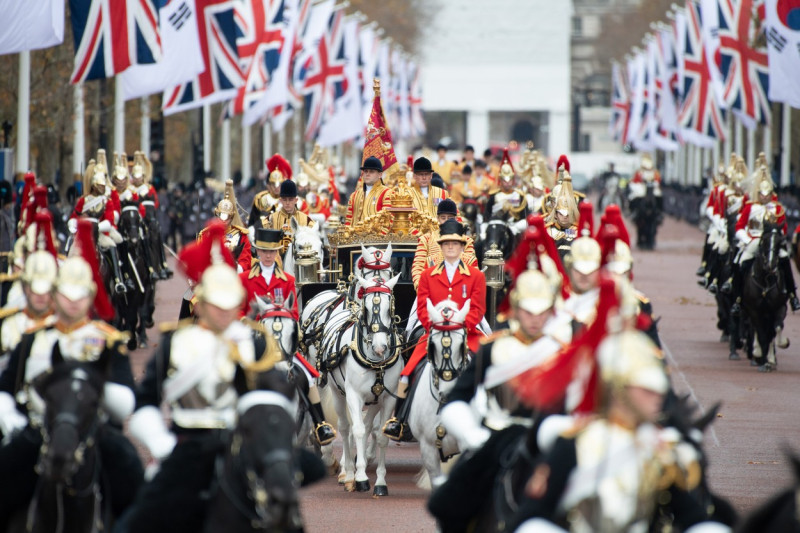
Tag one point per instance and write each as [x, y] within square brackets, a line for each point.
[744, 216]
[255, 285]
[468, 283]
[108, 212]
[149, 196]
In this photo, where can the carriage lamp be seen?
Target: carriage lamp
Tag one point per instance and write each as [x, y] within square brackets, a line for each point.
[307, 265]
[493, 265]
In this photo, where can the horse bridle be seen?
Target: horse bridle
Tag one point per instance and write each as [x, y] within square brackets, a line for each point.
[281, 313]
[448, 371]
[256, 491]
[375, 325]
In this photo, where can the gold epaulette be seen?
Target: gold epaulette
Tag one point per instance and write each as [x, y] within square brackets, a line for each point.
[112, 334]
[494, 336]
[579, 425]
[8, 311]
[258, 197]
[494, 191]
[241, 229]
[166, 327]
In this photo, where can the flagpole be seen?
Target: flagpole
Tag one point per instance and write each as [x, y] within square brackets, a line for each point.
[726, 147]
[767, 133]
[23, 162]
[78, 140]
[225, 151]
[738, 135]
[298, 135]
[144, 134]
[266, 141]
[751, 147]
[206, 138]
[246, 159]
[786, 141]
[119, 117]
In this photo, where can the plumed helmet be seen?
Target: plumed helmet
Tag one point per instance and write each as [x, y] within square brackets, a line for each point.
[40, 272]
[506, 168]
[532, 292]
[220, 286]
[630, 359]
[584, 255]
[75, 279]
[279, 169]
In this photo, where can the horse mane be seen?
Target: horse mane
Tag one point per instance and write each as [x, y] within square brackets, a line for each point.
[61, 370]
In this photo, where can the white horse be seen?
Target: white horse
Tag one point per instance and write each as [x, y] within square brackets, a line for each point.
[302, 236]
[447, 343]
[367, 339]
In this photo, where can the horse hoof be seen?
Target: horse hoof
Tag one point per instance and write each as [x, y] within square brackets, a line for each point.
[766, 367]
[341, 479]
[753, 362]
[724, 338]
[734, 357]
[362, 486]
[785, 344]
[349, 486]
[131, 344]
[380, 490]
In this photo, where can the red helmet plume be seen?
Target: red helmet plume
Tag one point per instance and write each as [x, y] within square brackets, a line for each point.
[585, 219]
[44, 232]
[562, 160]
[195, 257]
[279, 163]
[84, 240]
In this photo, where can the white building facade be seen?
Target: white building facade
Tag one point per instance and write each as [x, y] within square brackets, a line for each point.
[497, 71]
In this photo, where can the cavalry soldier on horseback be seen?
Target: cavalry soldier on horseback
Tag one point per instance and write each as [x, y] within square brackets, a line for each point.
[96, 206]
[718, 187]
[507, 202]
[583, 266]
[264, 202]
[491, 426]
[76, 337]
[562, 220]
[236, 238]
[764, 208]
[429, 253]
[451, 279]
[611, 472]
[370, 197]
[426, 196]
[282, 215]
[141, 175]
[644, 195]
[201, 371]
[123, 197]
[38, 277]
[267, 280]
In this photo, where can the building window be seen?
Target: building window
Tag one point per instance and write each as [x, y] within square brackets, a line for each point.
[518, 126]
[577, 26]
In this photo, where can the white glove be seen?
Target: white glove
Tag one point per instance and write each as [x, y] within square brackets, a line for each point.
[72, 225]
[710, 212]
[709, 527]
[11, 420]
[743, 237]
[550, 429]
[143, 190]
[148, 427]
[104, 226]
[519, 226]
[459, 420]
[118, 401]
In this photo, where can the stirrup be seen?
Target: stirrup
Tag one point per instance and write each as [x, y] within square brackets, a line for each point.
[395, 432]
[119, 287]
[324, 433]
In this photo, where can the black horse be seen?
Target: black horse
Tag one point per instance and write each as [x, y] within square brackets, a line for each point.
[70, 492]
[647, 214]
[132, 307]
[499, 233]
[764, 299]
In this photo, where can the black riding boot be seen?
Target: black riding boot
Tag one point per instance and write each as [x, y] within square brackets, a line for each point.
[706, 250]
[166, 272]
[727, 286]
[738, 283]
[788, 283]
[396, 428]
[119, 287]
[127, 273]
[323, 431]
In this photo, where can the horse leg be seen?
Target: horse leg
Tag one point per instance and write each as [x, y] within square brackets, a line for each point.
[355, 405]
[347, 473]
[331, 416]
[782, 342]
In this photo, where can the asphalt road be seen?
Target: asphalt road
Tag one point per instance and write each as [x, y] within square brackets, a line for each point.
[745, 445]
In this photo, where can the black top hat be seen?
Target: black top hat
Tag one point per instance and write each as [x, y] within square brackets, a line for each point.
[268, 239]
[467, 170]
[372, 163]
[480, 163]
[441, 146]
[451, 230]
[437, 181]
[447, 207]
[469, 148]
[423, 164]
[288, 189]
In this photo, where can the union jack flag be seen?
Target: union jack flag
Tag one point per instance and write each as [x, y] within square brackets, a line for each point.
[261, 39]
[222, 75]
[700, 118]
[620, 105]
[324, 80]
[112, 35]
[415, 101]
[744, 67]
